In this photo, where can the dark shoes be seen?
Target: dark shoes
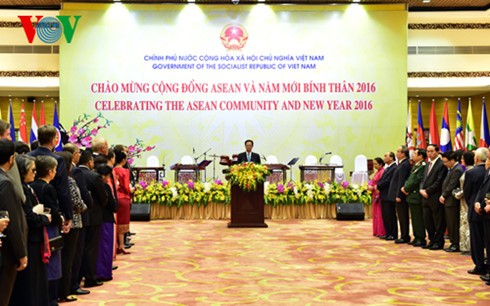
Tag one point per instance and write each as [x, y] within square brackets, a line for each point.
[89, 284]
[390, 238]
[476, 272]
[122, 251]
[382, 237]
[114, 267]
[419, 243]
[80, 291]
[67, 299]
[104, 279]
[452, 249]
[428, 246]
[399, 241]
[485, 278]
[435, 247]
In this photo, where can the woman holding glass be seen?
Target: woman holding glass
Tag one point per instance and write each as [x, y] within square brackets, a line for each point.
[31, 285]
[46, 194]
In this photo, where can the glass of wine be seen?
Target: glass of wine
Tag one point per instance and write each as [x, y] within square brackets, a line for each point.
[4, 214]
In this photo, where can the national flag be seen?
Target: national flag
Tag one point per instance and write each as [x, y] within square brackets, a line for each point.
[34, 126]
[409, 141]
[23, 125]
[484, 133]
[433, 128]
[56, 124]
[42, 119]
[470, 139]
[445, 131]
[421, 143]
[458, 138]
[11, 121]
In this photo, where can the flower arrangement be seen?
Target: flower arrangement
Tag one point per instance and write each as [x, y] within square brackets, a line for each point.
[135, 150]
[85, 128]
[193, 193]
[291, 193]
[248, 175]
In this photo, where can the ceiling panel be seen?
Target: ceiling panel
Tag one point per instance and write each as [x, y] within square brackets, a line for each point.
[414, 5]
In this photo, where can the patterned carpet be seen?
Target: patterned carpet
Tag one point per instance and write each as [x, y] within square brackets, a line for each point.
[293, 262]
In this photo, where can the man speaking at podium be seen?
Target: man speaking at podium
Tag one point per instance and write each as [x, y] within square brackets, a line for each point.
[248, 155]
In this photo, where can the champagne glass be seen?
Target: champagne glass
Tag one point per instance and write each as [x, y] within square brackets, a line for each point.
[4, 214]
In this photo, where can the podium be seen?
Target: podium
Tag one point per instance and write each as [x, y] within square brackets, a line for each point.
[325, 173]
[184, 173]
[278, 173]
[247, 208]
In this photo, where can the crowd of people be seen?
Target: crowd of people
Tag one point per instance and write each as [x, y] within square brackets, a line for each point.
[444, 195]
[79, 198]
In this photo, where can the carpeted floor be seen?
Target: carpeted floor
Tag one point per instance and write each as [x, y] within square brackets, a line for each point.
[293, 262]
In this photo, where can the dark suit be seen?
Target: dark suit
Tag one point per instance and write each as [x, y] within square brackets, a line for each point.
[433, 209]
[473, 183]
[387, 206]
[451, 204]
[60, 181]
[14, 245]
[242, 158]
[79, 177]
[96, 187]
[400, 175]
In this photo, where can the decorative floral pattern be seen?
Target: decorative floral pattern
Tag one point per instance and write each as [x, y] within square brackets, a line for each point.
[85, 128]
[134, 151]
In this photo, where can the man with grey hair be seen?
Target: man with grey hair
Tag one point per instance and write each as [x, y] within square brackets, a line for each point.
[474, 184]
[100, 146]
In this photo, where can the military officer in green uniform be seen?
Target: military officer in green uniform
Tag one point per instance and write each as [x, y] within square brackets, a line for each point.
[414, 198]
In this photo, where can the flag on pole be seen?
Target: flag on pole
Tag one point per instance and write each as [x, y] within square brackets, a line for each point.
[23, 125]
[11, 121]
[484, 133]
[421, 143]
[433, 128]
[458, 138]
[33, 135]
[56, 124]
[42, 119]
[445, 131]
[409, 142]
[470, 139]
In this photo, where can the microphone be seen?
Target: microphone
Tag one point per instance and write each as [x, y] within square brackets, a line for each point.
[263, 156]
[193, 151]
[321, 158]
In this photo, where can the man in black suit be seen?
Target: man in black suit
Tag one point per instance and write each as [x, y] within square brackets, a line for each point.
[397, 198]
[48, 139]
[476, 182]
[96, 187]
[14, 245]
[430, 189]
[451, 204]
[248, 155]
[387, 207]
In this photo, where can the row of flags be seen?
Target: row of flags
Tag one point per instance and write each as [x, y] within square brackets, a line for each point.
[22, 135]
[467, 143]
